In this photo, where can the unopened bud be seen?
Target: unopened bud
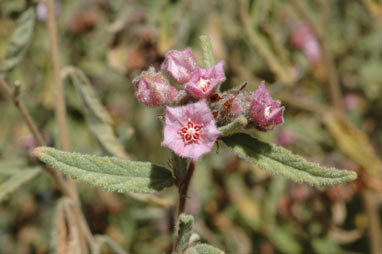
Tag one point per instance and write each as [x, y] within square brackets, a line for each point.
[265, 111]
[154, 89]
[180, 65]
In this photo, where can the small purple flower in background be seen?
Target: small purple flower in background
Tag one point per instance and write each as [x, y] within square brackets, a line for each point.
[204, 82]
[286, 138]
[190, 130]
[265, 112]
[154, 89]
[305, 40]
[352, 102]
[180, 65]
[42, 10]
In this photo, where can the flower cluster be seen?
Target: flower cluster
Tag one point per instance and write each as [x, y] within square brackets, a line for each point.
[193, 113]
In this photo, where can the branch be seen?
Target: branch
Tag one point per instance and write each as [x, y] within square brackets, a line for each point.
[33, 128]
[61, 118]
[374, 221]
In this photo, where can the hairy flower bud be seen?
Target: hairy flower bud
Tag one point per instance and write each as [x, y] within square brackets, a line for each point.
[265, 112]
[154, 89]
[180, 65]
[204, 82]
[227, 108]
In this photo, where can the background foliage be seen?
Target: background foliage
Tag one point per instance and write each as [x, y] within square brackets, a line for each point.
[237, 206]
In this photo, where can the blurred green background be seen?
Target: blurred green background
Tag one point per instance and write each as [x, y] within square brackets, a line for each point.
[317, 57]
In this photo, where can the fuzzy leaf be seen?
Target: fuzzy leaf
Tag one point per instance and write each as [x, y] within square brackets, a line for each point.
[97, 117]
[208, 54]
[185, 225]
[113, 174]
[17, 179]
[204, 249]
[19, 41]
[280, 161]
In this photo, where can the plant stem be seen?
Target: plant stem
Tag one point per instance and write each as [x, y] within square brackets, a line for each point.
[61, 117]
[334, 82]
[374, 221]
[284, 73]
[59, 93]
[33, 128]
[183, 188]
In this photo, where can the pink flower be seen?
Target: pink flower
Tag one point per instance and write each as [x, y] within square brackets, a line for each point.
[190, 130]
[204, 82]
[180, 65]
[265, 111]
[154, 89]
[307, 42]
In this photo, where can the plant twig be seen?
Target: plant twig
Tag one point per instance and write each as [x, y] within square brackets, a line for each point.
[284, 73]
[59, 91]
[33, 128]
[61, 117]
[374, 222]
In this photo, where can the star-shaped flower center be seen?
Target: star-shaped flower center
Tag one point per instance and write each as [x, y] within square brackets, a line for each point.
[204, 84]
[191, 132]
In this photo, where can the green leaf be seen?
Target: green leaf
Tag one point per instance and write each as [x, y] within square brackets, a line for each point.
[16, 180]
[97, 117]
[280, 161]
[204, 249]
[185, 225]
[284, 240]
[113, 174]
[208, 53]
[19, 41]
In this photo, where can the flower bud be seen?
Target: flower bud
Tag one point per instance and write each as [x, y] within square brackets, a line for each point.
[180, 65]
[265, 112]
[154, 89]
[227, 108]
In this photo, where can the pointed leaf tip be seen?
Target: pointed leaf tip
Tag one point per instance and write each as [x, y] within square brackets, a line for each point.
[280, 161]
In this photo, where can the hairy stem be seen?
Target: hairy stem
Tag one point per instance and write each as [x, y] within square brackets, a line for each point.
[183, 188]
[61, 118]
[33, 128]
